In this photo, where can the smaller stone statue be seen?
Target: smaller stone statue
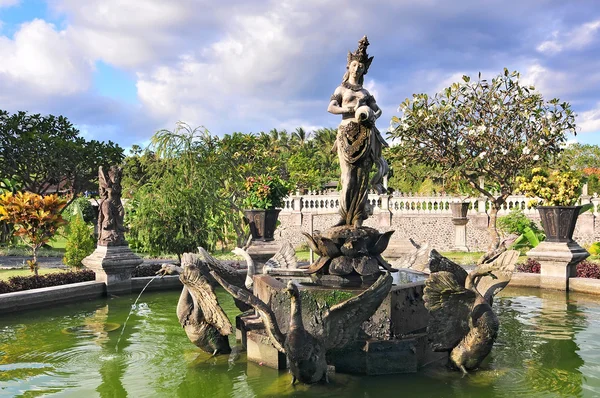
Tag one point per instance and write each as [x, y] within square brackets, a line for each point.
[462, 321]
[110, 218]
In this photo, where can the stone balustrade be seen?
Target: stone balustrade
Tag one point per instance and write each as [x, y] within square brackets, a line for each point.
[316, 202]
[426, 219]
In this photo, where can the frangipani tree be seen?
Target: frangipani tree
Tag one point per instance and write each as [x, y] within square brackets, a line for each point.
[496, 130]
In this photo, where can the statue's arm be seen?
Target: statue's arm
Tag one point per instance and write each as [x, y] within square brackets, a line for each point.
[373, 105]
[335, 106]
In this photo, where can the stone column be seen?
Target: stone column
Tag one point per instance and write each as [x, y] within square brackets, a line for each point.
[384, 215]
[460, 234]
[558, 262]
[296, 217]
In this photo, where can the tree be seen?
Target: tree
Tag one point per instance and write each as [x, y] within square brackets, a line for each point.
[196, 200]
[586, 159]
[45, 154]
[35, 218]
[496, 130]
[138, 168]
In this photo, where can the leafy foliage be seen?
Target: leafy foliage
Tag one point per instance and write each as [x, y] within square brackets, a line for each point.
[496, 130]
[45, 153]
[594, 249]
[35, 218]
[145, 270]
[19, 283]
[265, 192]
[80, 207]
[531, 266]
[556, 188]
[196, 198]
[80, 242]
[516, 222]
[587, 269]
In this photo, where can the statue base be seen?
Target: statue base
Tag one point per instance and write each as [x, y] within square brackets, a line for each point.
[398, 342]
[113, 266]
[558, 262]
[348, 251]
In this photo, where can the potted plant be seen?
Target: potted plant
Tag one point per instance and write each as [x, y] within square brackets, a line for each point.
[265, 193]
[557, 193]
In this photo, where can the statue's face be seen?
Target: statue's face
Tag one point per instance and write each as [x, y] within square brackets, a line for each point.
[356, 69]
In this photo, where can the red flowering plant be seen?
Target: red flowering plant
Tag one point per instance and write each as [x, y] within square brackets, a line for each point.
[265, 192]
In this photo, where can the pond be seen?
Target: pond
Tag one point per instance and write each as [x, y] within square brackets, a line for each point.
[548, 346]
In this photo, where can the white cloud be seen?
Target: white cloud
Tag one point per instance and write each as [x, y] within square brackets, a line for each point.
[8, 3]
[575, 39]
[589, 121]
[43, 60]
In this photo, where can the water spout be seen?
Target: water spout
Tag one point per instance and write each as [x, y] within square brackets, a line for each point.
[133, 306]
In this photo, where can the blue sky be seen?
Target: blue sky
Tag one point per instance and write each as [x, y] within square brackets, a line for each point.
[123, 69]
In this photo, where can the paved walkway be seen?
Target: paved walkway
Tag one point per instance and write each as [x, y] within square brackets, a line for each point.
[55, 262]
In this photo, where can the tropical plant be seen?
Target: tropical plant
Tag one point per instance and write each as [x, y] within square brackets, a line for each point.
[594, 249]
[555, 188]
[265, 192]
[45, 154]
[492, 130]
[530, 266]
[588, 269]
[80, 242]
[516, 222]
[35, 218]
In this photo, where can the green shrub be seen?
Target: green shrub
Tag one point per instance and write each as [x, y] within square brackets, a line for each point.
[516, 222]
[83, 208]
[20, 283]
[80, 242]
[594, 249]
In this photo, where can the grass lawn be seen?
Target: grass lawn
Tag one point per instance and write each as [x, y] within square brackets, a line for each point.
[7, 273]
[58, 243]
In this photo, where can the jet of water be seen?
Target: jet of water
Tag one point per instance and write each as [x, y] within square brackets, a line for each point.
[133, 307]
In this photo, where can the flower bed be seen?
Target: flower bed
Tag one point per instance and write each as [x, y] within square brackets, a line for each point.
[531, 266]
[588, 269]
[20, 283]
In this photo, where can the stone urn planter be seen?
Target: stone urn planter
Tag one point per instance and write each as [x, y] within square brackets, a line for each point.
[459, 209]
[559, 222]
[262, 223]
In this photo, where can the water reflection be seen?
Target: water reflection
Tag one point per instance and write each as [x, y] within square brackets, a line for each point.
[548, 345]
[541, 331]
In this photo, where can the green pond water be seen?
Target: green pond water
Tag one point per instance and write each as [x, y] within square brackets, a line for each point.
[548, 346]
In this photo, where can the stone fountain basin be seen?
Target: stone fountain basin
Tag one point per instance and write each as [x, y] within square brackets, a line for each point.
[397, 330]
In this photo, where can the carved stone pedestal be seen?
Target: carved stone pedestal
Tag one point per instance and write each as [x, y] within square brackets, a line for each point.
[261, 351]
[262, 251]
[398, 343]
[460, 234]
[113, 266]
[558, 261]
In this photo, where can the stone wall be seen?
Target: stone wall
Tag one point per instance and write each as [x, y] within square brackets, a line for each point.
[423, 219]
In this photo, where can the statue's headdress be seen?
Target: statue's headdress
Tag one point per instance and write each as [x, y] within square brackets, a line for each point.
[361, 55]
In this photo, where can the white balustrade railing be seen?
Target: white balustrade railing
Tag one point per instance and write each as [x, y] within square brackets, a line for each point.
[406, 204]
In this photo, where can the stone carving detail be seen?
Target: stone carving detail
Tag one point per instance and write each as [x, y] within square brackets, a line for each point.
[306, 352]
[349, 249]
[462, 321]
[358, 142]
[110, 218]
[198, 309]
[344, 250]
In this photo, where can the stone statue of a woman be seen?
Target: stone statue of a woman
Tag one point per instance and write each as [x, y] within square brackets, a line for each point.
[358, 141]
[110, 217]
